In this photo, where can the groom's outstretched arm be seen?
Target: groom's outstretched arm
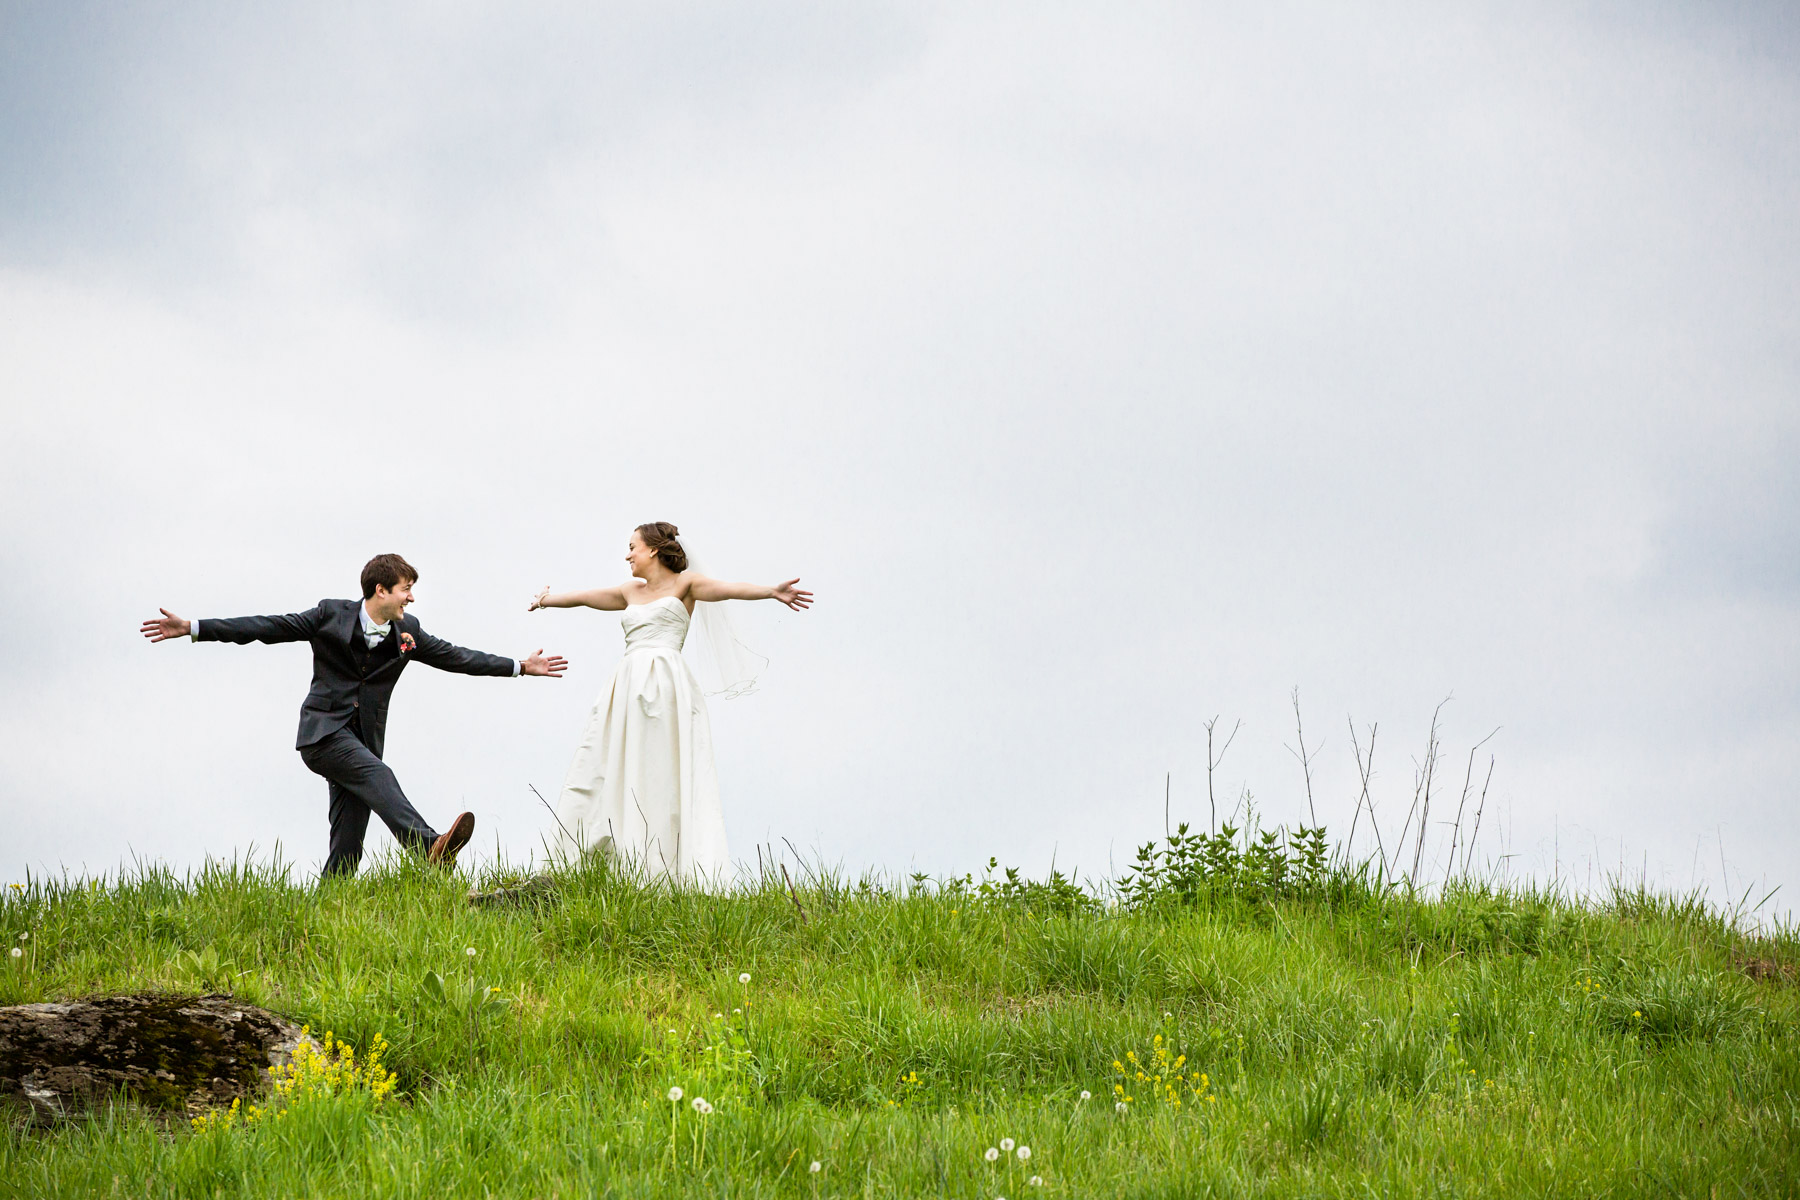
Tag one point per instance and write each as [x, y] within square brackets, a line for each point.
[291, 627]
[447, 656]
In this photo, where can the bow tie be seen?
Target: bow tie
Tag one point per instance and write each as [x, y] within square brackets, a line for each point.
[375, 633]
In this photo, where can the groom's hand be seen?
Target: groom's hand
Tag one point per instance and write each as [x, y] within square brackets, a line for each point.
[537, 664]
[171, 626]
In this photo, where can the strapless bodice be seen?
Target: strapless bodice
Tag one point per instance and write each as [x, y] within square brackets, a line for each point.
[661, 624]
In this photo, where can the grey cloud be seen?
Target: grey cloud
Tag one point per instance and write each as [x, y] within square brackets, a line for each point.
[150, 137]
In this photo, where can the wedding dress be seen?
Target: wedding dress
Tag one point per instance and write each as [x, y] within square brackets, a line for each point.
[642, 786]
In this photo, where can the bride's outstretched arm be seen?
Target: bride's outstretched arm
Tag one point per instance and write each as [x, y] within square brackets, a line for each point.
[610, 599]
[702, 588]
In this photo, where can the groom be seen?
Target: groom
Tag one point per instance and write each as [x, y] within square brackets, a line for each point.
[359, 649]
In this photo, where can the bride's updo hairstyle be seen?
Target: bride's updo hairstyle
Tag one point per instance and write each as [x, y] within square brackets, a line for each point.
[659, 538]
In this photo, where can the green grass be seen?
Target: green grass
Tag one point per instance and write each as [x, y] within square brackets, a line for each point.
[1488, 1043]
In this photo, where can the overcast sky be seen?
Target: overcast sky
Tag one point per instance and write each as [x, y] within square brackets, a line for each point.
[1101, 368]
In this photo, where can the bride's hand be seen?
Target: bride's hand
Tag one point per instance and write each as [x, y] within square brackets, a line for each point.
[791, 596]
[537, 601]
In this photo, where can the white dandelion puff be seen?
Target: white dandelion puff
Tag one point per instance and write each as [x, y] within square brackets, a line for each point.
[1036, 1181]
[470, 952]
[1120, 1107]
[1024, 1153]
[675, 1095]
[699, 1104]
[1006, 1144]
[991, 1154]
[744, 977]
[816, 1167]
[17, 953]
[1086, 1095]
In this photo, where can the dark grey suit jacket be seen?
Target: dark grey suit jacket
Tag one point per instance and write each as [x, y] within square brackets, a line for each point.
[349, 679]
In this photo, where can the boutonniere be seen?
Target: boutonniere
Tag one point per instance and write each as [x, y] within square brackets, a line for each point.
[407, 645]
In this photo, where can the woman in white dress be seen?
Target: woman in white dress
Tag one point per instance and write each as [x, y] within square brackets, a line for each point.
[642, 786]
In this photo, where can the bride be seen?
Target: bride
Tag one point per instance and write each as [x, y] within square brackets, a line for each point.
[642, 786]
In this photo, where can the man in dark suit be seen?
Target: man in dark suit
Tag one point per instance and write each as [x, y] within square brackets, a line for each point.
[359, 649]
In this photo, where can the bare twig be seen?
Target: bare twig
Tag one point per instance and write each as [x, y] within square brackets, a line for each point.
[1412, 811]
[1212, 764]
[1456, 830]
[792, 895]
[1480, 807]
[798, 861]
[1427, 772]
[555, 818]
[1365, 769]
[1304, 757]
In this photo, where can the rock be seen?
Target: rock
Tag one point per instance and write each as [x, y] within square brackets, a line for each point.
[539, 889]
[174, 1053]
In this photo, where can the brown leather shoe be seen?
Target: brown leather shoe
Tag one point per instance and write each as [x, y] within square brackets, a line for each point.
[443, 851]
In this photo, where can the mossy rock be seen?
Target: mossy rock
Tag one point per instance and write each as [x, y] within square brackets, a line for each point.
[538, 890]
[176, 1054]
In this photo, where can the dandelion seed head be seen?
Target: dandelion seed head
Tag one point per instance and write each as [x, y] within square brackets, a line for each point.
[17, 953]
[816, 1167]
[26, 936]
[1024, 1153]
[991, 1154]
[470, 952]
[1086, 1095]
[744, 977]
[699, 1104]
[1036, 1181]
[1007, 1144]
[674, 1095]
[1119, 1106]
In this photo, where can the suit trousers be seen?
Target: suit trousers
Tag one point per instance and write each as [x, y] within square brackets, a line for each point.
[361, 783]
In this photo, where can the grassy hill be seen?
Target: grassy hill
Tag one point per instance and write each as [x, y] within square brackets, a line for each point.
[1315, 1036]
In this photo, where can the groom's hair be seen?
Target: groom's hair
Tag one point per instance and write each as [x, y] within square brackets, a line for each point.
[386, 570]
